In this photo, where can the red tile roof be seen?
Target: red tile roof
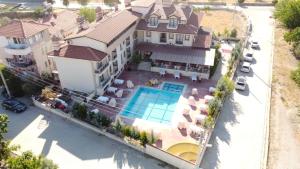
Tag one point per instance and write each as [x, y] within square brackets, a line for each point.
[106, 31]
[203, 39]
[79, 52]
[22, 29]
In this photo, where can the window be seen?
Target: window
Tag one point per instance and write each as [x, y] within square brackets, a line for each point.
[148, 34]
[153, 21]
[163, 38]
[172, 22]
[171, 35]
[179, 39]
[187, 37]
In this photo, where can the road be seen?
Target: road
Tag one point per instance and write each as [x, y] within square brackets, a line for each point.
[239, 137]
[71, 146]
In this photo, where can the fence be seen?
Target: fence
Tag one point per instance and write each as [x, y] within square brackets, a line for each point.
[148, 149]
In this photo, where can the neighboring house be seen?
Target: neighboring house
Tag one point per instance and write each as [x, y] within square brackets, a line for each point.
[24, 46]
[171, 37]
[93, 57]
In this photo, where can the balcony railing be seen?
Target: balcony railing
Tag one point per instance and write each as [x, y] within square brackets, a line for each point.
[127, 42]
[14, 63]
[17, 49]
[104, 82]
[100, 69]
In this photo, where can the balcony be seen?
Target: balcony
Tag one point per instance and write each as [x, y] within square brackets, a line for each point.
[101, 68]
[17, 49]
[163, 40]
[104, 82]
[15, 63]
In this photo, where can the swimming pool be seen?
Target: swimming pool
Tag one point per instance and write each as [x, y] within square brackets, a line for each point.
[156, 105]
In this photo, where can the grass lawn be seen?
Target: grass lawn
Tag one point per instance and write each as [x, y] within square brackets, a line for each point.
[219, 20]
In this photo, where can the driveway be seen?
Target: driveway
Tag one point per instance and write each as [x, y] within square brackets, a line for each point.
[239, 136]
[71, 146]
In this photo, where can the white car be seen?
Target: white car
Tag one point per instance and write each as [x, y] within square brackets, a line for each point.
[254, 45]
[248, 56]
[240, 83]
[246, 67]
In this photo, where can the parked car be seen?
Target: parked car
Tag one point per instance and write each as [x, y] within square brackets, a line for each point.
[248, 56]
[240, 83]
[14, 105]
[246, 67]
[254, 45]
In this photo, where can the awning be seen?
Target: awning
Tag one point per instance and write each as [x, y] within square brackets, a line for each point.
[178, 54]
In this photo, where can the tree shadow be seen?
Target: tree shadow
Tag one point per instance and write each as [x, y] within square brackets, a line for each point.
[220, 134]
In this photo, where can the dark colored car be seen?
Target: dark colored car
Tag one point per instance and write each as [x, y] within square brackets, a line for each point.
[14, 105]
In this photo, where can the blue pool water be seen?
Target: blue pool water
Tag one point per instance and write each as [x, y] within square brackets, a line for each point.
[156, 105]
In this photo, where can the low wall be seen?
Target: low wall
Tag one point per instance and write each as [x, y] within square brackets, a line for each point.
[182, 72]
[149, 150]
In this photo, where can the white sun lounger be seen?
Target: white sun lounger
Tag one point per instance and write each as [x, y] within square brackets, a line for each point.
[102, 99]
[118, 81]
[112, 89]
[177, 75]
[162, 72]
[194, 78]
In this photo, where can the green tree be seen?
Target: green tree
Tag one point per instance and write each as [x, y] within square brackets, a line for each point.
[296, 49]
[5, 148]
[89, 14]
[66, 3]
[4, 20]
[31, 89]
[209, 122]
[226, 85]
[80, 111]
[143, 138]
[293, 35]
[241, 1]
[233, 33]
[214, 107]
[38, 12]
[14, 83]
[288, 12]
[29, 161]
[295, 75]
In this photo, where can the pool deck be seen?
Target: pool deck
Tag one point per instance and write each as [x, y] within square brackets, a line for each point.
[170, 134]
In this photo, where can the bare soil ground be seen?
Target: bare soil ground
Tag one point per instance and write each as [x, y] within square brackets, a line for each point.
[233, 1]
[284, 147]
[219, 20]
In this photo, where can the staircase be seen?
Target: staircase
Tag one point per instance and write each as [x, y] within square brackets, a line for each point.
[144, 66]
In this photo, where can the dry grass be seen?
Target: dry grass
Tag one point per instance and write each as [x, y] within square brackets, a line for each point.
[233, 1]
[284, 134]
[219, 20]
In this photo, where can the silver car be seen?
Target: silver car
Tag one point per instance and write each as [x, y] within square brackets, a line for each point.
[246, 67]
[254, 45]
[248, 56]
[240, 83]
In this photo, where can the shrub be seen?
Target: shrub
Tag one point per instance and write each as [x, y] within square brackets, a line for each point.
[127, 131]
[274, 2]
[296, 49]
[219, 94]
[14, 83]
[209, 122]
[226, 85]
[152, 138]
[48, 93]
[136, 58]
[89, 14]
[241, 1]
[135, 133]
[233, 33]
[30, 89]
[214, 107]
[80, 111]
[295, 75]
[216, 62]
[118, 126]
[143, 138]
[38, 12]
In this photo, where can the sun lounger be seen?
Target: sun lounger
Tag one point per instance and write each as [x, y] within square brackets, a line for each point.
[177, 75]
[208, 98]
[102, 99]
[194, 91]
[112, 89]
[112, 102]
[162, 72]
[118, 81]
[119, 93]
[130, 84]
[194, 78]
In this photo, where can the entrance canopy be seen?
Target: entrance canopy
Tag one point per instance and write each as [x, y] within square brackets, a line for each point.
[179, 54]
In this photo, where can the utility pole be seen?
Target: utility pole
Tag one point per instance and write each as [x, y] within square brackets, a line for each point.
[4, 82]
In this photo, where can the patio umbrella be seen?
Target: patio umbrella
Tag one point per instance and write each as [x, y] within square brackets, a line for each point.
[208, 98]
[112, 102]
[203, 107]
[119, 93]
[130, 84]
[194, 91]
[192, 101]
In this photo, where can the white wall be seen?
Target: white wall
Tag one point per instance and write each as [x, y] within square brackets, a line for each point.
[155, 38]
[88, 42]
[142, 10]
[76, 74]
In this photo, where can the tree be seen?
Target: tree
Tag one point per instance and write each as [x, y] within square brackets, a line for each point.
[30, 89]
[136, 58]
[293, 35]
[226, 85]
[233, 33]
[80, 111]
[214, 107]
[38, 12]
[296, 49]
[89, 14]
[29, 161]
[143, 138]
[4, 20]
[14, 83]
[288, 12]
[209, 122]
[5, 148]
[66, 3]
[295, 75]
[241, 1]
